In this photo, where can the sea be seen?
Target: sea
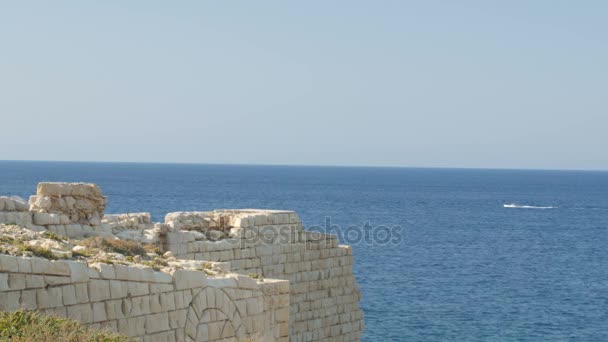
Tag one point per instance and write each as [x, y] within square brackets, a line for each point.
[439, 254]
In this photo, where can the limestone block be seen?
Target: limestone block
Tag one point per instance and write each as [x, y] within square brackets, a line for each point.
[127, 221]
[282, 314]
[137, 288]
[167, 301]
[24, 265]
[225, 282]
[16, 217]
[99, 290]
[114, 309]
[281, 300]
[137, 306]
[44, 219]
[245, 282]
[13, 203]
[40, 203]
[42, 266]
[68, 294]
[146, 273]
[176, 238]
[106, 271]
[283, 328]
[4, 282]
[238, 233]
[78, 271]
[134, 273]
[198, 235]
[214, 331]
[16, 281]
[155, 306]
[74, 231]
[275, 286]
[82, 292]
[81, 312]
[254, 306]
[177, 318]
[165, 336]
[8, 263]
[50, 297]
[187, 279]
[134, 326]
[94, 221]
[181, 299]
[160, 288]
[188, 220]
[210, 297]
[56, 280]
[9, 301]
[28, 299]
[69, 202]
[161, 277]
[57, 229]
[157, 322]
[93, 273]
[118, 289]
[68, 189]
[61, 268]
[88, 230]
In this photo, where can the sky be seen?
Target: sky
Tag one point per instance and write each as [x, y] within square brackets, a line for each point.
[491, 84]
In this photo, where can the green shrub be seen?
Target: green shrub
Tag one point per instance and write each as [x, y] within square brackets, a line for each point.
[32, 326]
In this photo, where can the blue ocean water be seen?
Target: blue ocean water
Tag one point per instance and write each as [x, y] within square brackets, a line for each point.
[463, 268]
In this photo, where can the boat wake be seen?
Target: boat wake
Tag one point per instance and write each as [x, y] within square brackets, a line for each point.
[519, 206]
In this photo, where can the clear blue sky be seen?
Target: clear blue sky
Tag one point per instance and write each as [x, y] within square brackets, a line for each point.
[515, 84]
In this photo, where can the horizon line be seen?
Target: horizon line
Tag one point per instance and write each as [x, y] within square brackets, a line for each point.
[306, 165]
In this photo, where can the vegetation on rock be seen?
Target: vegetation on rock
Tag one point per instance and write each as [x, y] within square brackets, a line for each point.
[32, 326]
[124, 247]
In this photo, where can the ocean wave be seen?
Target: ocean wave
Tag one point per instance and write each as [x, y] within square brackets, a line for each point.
[521, 206]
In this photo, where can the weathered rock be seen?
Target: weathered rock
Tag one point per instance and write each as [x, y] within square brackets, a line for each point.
[68, 189]
[58, 249]
[131, 221]
[79, 202]
[13, 203]
[186, 279]
[16, 217]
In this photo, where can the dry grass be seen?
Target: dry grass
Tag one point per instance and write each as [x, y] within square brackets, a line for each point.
[40, 252]
[31, 326]
[124, 247]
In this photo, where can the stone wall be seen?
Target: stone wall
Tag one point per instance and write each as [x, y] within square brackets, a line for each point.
[306, 289]
[324, 295]
[154, 306]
